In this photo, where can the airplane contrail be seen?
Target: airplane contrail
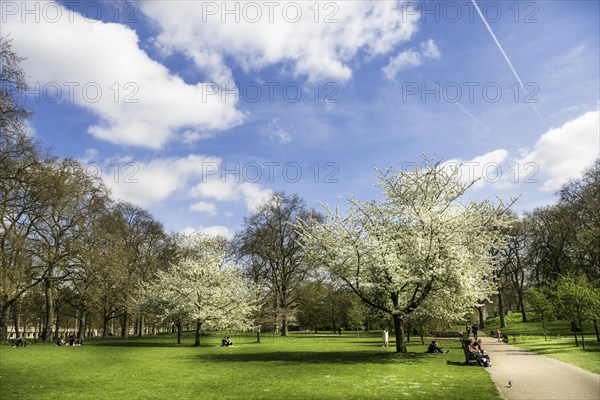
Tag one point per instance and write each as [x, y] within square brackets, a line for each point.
[489, 28]
[470, 115]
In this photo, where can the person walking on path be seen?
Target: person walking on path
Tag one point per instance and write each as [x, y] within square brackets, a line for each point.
[474, 329]
[386, 338]
[498, 335]
[533, 376]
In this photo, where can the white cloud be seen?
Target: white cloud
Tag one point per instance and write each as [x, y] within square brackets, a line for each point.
[484, 168]
[149, 183]
[210, 231]
[89, 155]
[563, 153]
[559, 154]
[204, 207]
[430, 50]
[99, 66]
[275, 133]
[411, 58]
[310, 47]
[227, 189]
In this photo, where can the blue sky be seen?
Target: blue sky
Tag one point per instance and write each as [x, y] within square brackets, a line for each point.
[197, 116]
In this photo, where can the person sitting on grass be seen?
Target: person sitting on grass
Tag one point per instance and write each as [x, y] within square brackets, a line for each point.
[60, 342]
[20, 342]
[226, 342]
[435, 349]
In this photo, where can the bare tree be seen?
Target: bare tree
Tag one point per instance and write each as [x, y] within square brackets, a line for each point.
[273, 249]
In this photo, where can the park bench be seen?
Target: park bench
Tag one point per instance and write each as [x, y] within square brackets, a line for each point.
[468, 355]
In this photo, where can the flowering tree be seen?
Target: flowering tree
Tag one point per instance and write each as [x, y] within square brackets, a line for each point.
[203, 288]
[422, 249]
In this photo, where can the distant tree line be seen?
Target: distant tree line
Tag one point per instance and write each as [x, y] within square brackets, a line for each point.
[553, 256]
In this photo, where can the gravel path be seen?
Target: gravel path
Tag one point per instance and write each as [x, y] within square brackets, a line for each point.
[537, 377]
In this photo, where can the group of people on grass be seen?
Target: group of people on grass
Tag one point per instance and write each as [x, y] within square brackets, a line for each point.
[226, 342]
[72, 342]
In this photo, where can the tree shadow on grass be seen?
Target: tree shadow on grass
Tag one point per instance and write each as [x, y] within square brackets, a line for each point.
[125, 343]
[461, 364]
[314, 357]
[563, 349]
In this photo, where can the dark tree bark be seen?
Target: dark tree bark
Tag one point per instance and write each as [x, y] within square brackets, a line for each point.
[284, 325]
[481, 318]
[46, 334]
[596, 329]
[105, 319]
[57, 324]
[125, 325]
[17, 319]
[198, 341]
[179, 329]
[399, 331]
[4, 326]
[141, 328]
[501, 310]
[82, 325]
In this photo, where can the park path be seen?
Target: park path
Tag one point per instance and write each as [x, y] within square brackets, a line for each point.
[537, 377]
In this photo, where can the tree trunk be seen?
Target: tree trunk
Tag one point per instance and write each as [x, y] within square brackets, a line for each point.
[582, 338]
[57, 324]
[481, 318]
[82, 325]
[408, 329]
[522, 306]
[501, 310]
[141, 328]
[124, 330]
[197, 341]
[179, 329]
[17, 319]
[276, 314]
[544, 327]
[596, 329]
[105, 320]
[575, 333]
[3, 325]
[49, 314]
[399, 329]
[421, 334]
[284, 324]
[258, 336]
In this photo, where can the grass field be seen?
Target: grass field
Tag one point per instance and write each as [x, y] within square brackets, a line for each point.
[560, 343]
[299, 367]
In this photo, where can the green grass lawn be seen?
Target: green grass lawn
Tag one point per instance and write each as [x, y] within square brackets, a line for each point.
[299, 367]
[560, 343]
